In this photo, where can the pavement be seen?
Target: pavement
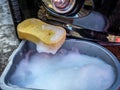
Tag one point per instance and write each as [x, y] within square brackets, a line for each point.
[8, 39]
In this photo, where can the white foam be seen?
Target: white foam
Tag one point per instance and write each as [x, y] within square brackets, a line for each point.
[68, 72]
[41, 47]
[59, 31]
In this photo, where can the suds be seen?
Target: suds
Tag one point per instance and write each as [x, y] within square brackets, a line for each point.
[65, 71]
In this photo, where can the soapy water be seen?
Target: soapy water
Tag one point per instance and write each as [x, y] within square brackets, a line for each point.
[67, 70]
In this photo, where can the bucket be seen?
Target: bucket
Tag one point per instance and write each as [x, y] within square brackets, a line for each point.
[85, 47]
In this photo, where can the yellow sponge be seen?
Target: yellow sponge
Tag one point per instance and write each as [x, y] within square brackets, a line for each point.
[38, 31]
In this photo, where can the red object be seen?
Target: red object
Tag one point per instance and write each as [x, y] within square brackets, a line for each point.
[117, 39]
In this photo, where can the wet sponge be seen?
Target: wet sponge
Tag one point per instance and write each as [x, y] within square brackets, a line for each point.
[48, 38]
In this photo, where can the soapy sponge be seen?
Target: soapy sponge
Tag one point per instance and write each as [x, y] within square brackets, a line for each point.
[48, 38]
